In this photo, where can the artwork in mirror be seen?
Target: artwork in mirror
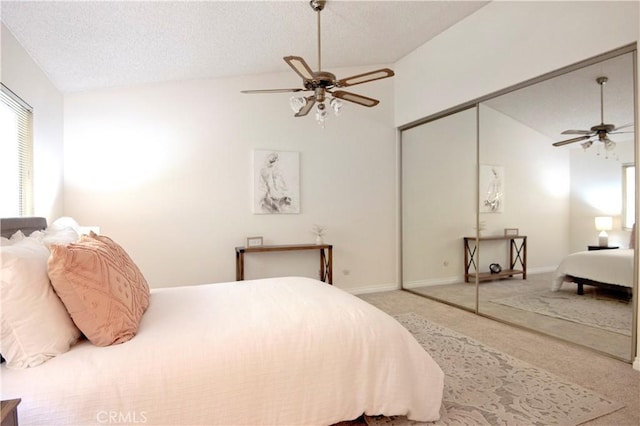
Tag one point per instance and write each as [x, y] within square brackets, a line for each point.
[491, 188]
[439, 168]
[564, 143]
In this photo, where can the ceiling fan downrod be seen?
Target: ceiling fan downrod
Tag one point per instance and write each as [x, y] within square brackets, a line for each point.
[602, 81]
[318, 5]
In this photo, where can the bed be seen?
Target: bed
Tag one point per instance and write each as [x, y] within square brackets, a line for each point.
[612, 269]
[286, 350]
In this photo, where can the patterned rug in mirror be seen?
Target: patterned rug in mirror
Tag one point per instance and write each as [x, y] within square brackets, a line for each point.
[600, 311]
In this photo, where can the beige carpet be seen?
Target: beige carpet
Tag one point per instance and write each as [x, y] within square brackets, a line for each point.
[606, 313]
[484, 386]
[600, 339]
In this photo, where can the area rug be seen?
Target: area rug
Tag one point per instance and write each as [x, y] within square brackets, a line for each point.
[602, 312]
[484, 386]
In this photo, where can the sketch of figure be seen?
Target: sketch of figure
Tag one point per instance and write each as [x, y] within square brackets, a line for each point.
[275, 198]
[493, 199]
[276, 182]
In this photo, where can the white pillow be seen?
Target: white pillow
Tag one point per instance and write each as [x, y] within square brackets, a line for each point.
[34, 324]
[64, 222]
[59, 235]
[17, 236]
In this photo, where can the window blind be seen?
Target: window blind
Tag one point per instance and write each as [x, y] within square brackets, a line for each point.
[16, 155]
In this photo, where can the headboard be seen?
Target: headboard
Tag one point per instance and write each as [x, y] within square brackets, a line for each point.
[8, 226]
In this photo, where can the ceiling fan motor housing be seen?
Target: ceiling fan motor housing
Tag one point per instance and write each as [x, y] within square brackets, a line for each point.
[603, 128]
[322, 79]
[317, 5]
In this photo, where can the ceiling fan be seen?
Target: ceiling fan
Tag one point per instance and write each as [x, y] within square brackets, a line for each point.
[323, 83]
[601, 131]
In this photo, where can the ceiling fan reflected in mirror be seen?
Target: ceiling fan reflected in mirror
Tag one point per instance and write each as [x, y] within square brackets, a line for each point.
[324, 84]
[599, 132]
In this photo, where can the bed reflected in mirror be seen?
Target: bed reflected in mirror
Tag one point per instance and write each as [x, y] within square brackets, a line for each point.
[566, 149]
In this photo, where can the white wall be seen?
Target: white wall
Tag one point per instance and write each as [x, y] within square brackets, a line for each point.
[536, 186]
[25, 78]
[596, 190]
[438, 198]
[505, 43]
[165, 169]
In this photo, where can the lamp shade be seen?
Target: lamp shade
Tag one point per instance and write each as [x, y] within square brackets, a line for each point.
[604, 223]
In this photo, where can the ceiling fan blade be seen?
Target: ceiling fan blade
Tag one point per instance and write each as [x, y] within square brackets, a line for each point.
[577, 132]
[299, 66]
[272, 91]
[358, 99]
[311, 100]
[568, 141]
[624, 126]
[366, 77]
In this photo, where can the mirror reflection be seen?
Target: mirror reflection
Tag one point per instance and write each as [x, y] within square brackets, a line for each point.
[566, 147]
[553, 192]
[439, 205]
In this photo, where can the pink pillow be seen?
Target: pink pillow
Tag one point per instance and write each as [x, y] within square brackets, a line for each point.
[103, 290]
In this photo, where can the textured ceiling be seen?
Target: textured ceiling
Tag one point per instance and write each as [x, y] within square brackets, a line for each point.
[572, 100]
[89, 45]
[95, 44]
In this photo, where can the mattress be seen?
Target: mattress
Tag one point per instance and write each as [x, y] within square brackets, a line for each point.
[605, 266]
[284, 350]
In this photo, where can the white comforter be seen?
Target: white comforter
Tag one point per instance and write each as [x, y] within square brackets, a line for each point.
[606, 266]
[274, 351]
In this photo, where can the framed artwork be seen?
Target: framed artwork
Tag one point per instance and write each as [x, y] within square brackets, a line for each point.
[254, 241]
[511, 232]
[491, 189]
[276, 182]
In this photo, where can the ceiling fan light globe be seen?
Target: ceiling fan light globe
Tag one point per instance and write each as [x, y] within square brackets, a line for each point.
[586, 145]
[297, 103]
[337, 105]
[609, 145]
[321, 113]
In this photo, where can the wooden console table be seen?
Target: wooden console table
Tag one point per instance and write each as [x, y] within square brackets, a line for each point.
[326, 257]
[9, 409]
[517, 258]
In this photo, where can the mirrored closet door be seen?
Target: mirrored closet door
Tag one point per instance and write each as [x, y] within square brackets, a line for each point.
[552, 194]
[520, 205]
[439, 196]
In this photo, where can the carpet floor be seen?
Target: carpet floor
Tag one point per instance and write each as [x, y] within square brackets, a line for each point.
[613, 379]
[484, 386]
[605, 313]
[599, 338]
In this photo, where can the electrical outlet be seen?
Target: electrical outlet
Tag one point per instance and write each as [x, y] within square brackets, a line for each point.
[346, 271]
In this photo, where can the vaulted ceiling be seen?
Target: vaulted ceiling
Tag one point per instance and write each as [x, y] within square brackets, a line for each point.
[95, 44]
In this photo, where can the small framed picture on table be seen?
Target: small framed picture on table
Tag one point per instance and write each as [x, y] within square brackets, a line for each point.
[254, 241]
[511, 232]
